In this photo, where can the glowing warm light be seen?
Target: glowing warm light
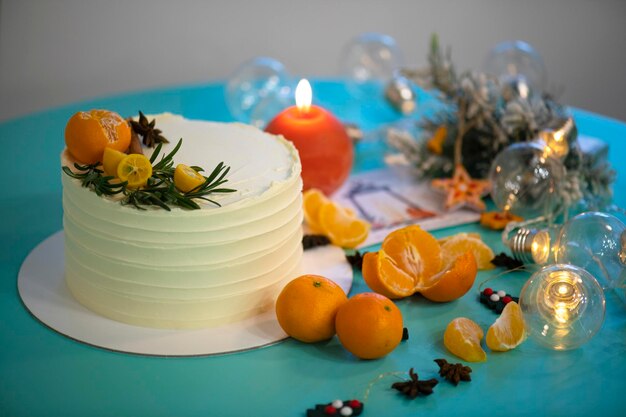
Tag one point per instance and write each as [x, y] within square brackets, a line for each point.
[540, 247]
[304, 96]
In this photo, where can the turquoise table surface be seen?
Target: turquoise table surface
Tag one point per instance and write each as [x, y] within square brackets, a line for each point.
[43, 373]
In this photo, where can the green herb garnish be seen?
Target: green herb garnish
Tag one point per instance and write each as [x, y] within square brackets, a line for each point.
[160, 189]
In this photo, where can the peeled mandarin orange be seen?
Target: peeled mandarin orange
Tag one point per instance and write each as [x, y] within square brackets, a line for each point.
[462, 338]
[508, 331]
[312, 201]
[111, 160]
[383, 276]
[135, 169]
[453, 282]
[87, 134]
[443, 240]
[369, 325]
[414, 251]
[342, 228]
[459, 244]
[307, 306]
[187, 178]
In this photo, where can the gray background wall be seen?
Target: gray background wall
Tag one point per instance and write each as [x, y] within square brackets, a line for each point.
[59, 51]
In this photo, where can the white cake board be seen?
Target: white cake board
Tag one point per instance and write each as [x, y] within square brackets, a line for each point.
[41, 286]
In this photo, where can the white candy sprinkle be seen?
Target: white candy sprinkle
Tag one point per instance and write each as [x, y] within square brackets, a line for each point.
[337, 404]
[501, 293]
[494, 297]
[345, 411]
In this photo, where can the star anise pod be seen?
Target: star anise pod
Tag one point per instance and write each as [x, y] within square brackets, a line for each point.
[151, 135]
[414, 387]
[454, 372]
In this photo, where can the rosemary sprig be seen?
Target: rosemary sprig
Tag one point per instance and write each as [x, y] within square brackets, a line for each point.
[160, 190]
[91, 177]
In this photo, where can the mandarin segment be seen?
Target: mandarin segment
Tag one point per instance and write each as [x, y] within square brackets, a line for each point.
[462, 338]
[369, 325]
[341, 227]
[414, 251]
[384, 277]
[459, 244]
[88, 133]
[508, 331]
[453, 282]
[307, 306]
[312, 201]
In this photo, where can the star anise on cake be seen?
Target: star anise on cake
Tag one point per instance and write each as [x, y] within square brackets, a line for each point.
[414, 387]
[454, 372]
[147, 130]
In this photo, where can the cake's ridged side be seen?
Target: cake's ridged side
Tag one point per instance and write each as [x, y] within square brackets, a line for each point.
[185, 268]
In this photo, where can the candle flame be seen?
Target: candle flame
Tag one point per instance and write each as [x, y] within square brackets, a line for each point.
[304, 96]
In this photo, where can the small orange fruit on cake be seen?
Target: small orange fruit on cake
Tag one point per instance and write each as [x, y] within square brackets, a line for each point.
[186, 178]
[307, 306]
[508, 331]
[134, 169]
[369, 325]
[453, 282]
[462, 338]
[459, 244]
[111, 160]
[341, 226]
[88, 133]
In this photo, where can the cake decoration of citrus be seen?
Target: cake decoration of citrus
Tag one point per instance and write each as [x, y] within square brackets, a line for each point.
[307, 306]
[462, 338]
[135, 170]
[369, 325]
[136, 180]
[453, 282]
[186, 178]
[88, 133]
[340, 224]
[508, 331]
[110, 161]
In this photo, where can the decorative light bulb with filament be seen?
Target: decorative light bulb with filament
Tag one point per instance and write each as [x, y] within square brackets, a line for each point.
[563, 306]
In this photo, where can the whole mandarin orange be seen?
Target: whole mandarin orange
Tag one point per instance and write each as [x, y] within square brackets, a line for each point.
[307, 306]
[87, 133]
[369, 325]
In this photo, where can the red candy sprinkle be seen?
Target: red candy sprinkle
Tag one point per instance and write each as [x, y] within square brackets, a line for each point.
[507, 299]
[487, 291]
[354, 403]
[330, 410]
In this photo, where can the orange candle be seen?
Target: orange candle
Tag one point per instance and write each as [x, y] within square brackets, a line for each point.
[320, 138]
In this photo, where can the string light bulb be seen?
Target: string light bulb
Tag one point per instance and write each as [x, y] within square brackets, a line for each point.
[593, 240]
[563, 306]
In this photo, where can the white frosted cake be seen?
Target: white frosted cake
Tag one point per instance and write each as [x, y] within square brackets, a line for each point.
[191, 268]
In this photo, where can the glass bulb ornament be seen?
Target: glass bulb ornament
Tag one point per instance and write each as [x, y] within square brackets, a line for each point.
[368, 63]
[593, 240]
[518, 67]
[258, 90]
[563, 306]
[524, 180]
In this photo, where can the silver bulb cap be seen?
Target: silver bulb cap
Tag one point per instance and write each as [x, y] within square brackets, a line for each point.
[521, 245]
